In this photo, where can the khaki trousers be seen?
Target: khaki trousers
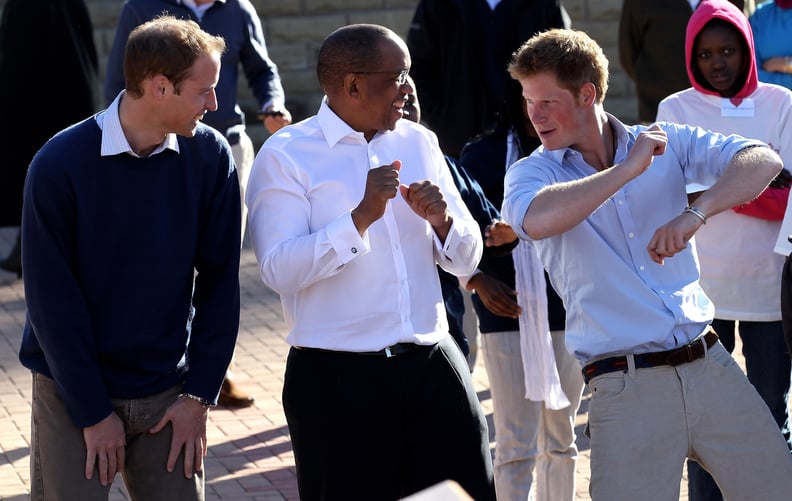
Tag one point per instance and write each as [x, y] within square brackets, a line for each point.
[57, 452]
[645, 422]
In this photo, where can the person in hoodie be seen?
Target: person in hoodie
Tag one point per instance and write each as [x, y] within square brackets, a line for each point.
[740, 271]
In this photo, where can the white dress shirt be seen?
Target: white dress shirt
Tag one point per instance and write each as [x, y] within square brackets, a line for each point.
[341, 291]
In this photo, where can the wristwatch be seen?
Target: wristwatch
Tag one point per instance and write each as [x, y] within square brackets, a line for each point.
[204, 403]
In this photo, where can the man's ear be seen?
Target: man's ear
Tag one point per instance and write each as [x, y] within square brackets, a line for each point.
[157, 85]
[588, 94]
[353, 85]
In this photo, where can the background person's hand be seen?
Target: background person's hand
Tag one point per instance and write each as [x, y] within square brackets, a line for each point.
[498, 233]
[275, 119]
[497, 297]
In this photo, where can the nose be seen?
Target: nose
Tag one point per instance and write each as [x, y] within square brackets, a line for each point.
[211, 101]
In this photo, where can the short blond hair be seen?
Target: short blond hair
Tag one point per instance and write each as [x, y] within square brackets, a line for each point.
[166, 46]
[571, 55]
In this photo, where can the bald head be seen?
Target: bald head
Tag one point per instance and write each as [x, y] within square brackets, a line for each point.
[352, 48]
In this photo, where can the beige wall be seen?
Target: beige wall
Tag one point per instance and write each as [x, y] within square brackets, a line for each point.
[295, 29]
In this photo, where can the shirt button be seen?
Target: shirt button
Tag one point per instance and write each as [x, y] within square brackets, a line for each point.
[641, 267]
[354, 250]
[631, 235]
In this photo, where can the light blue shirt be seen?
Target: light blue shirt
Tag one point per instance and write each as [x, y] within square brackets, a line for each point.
[617, 299]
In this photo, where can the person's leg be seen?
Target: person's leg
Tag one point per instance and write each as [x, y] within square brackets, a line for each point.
[637, 425]
[231, 395]
[555, 466]
[470, 327]
[701, 485]
[244, 155]
[57, 451]
[147, 454]
[445, 431]
[786, 302]
[732, 433]
[344, 415]
[516, 419]
[454, 307]
[768, 367]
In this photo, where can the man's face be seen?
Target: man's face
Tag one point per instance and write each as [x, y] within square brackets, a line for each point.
[555, 113]
[196, 96]
[412, 108]
[384, 91]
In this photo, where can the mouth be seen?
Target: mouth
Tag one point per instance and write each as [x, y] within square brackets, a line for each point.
[399, 108]
[720, 77]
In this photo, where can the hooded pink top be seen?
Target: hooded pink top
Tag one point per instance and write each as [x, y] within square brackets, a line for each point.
[720, 9]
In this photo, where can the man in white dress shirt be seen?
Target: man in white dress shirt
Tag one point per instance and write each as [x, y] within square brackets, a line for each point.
[350, 212]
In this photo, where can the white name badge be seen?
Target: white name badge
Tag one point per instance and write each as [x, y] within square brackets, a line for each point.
[746, 108]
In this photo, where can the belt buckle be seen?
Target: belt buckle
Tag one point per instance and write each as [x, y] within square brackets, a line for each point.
[388, 352]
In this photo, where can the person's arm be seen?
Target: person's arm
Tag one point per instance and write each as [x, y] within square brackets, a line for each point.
[773, 56]
[215, 325]
[480, 207]
[262, 74]
[58, 313]
[747, 174]
[423, 40]
[630, 37]
[114, 81]
[293, 255]
[559, 207]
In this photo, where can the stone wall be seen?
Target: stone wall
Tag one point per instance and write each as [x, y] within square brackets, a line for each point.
[295, 29]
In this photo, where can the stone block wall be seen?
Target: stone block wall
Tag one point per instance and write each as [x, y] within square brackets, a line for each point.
[295, 29]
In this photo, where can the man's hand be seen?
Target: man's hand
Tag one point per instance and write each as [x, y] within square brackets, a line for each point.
[382, 184]
[188, 419]
[648, 144]
[105, 443]
[673, 237]
[498, 233]
[274, 119]
[426, 200]
[497, 297]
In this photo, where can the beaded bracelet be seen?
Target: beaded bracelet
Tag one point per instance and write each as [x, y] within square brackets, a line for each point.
[696, 212]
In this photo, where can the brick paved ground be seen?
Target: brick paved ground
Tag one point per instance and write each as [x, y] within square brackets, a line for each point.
[250, 456]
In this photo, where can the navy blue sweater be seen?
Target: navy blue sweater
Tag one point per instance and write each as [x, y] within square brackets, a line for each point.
[110, 248]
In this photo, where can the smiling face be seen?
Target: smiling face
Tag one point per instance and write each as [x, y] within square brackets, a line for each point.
[382, 91]
[721, 59]
[188, 103]
[556, 114]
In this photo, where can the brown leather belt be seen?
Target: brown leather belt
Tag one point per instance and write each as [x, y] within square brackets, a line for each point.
[678, 356]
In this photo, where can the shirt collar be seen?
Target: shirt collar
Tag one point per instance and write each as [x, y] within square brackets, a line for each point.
[333, 127]
[114, 142]
[623, 140]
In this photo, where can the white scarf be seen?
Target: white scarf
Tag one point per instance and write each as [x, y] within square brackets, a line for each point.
[542, 382]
